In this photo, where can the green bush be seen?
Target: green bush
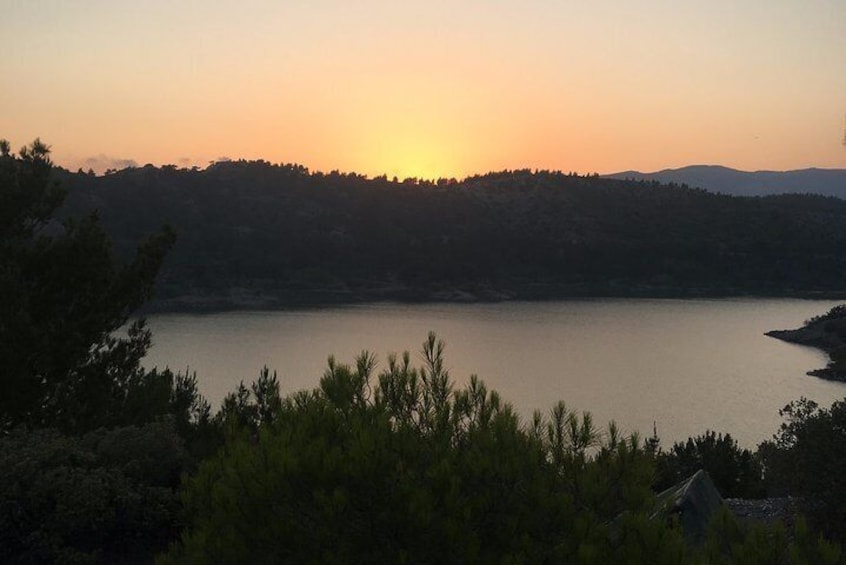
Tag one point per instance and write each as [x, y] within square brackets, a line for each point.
[807, 458]
[106, 497]
[409, 469]
[730, 542]
[735, 472]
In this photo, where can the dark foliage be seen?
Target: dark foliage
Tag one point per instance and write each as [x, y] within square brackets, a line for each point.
[406, 469]
[105, 497]
[807, 458]
[836, 315]
[735, 472]
[92, 446]
[254, 229]
[64, 298]
[730, 542]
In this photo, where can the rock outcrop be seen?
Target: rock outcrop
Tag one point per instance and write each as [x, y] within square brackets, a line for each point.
[695, 501]
[826, 332]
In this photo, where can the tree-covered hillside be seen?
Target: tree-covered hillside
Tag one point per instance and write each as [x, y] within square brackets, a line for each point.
[281, 234]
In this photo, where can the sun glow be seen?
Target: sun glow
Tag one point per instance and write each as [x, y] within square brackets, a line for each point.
[406, 143]
[417, 158]
[429, 89]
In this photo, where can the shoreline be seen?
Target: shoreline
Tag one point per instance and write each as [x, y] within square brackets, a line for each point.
[240, 298]
[826, 333]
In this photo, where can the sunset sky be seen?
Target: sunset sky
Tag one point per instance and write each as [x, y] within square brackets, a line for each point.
[428, 88]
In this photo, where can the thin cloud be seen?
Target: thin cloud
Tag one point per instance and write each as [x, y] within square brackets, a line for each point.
[101, 163]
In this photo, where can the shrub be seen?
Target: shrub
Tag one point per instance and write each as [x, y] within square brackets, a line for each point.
[108, 496]
[807, 458]
[735, 472]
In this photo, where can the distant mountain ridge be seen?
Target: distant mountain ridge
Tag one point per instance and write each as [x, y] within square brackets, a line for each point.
[714, 178]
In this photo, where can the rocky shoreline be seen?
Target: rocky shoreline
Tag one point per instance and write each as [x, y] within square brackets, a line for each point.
[826, 332]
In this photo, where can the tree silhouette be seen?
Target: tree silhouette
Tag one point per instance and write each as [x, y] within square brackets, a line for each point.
[64, 299]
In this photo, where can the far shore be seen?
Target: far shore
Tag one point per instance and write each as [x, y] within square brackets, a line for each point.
[240, 298]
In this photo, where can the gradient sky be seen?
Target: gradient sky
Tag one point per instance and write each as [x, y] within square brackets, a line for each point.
[428, 88]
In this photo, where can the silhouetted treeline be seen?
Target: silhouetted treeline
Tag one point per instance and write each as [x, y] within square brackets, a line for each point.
[248, 229]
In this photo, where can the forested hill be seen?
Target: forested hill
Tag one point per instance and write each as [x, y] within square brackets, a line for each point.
[827, 182]
[257, 234]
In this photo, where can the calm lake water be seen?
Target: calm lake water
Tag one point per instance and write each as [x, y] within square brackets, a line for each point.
[687, 365]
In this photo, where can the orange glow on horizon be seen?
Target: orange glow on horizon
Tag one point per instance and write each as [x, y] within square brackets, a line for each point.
[429, 89]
